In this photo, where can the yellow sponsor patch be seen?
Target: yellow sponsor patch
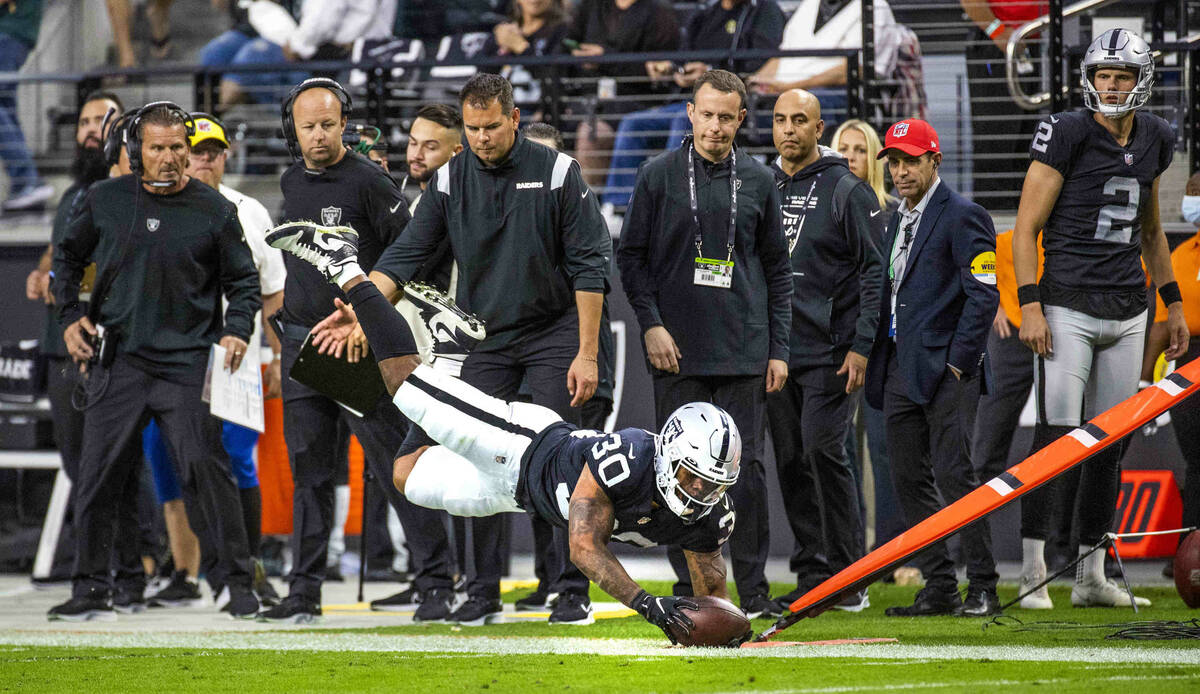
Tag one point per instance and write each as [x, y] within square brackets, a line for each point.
[983, 267]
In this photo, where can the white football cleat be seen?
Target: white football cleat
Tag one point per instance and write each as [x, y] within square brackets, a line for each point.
[332, 250]
[1038, 599]
[1106, 593]
[455, 332]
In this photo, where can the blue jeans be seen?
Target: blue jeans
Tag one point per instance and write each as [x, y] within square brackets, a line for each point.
[18, 163]
[235, 48]
[641, 135]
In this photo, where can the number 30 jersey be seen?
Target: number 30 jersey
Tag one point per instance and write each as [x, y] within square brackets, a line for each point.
[1093, 235]
[622, 463]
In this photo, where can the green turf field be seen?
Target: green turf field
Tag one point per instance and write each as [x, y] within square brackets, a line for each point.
[627, 655]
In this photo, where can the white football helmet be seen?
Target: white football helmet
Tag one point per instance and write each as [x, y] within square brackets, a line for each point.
[1117, 48]
[699, 457]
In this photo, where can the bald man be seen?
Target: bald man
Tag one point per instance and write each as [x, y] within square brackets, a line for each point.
[828, 218]
[334, 186]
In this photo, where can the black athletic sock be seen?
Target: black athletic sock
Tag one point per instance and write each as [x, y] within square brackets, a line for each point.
[252, 517]
[387, 332]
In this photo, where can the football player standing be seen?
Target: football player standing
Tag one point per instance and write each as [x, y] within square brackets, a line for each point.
[1092, 188]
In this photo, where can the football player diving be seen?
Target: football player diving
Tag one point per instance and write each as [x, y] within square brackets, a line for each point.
[495, 456]
[1092, 190]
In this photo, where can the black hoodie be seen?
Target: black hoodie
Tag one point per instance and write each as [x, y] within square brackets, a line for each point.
[829, 216]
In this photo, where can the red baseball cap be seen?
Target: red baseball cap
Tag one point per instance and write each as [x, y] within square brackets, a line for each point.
[913, 136]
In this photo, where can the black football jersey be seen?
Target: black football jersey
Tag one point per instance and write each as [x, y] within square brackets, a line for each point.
[622, 463]
[1093, 235]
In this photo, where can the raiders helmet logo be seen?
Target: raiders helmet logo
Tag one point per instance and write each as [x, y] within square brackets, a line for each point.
[1129, 159]
[330, 216]
[152, 224]
[900, 130]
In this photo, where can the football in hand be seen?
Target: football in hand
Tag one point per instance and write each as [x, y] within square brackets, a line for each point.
[718, 623]
[1187, 569]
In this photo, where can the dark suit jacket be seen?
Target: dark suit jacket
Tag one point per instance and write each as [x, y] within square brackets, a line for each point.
[946, 302]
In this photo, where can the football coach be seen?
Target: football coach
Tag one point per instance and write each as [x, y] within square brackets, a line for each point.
[166, 248]
[330, 184]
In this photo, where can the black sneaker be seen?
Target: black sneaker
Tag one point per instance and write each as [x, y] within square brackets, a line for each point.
[128, 601]
[95, 606]
[536, 601]
[980, 602]
[477, 611]
[854, 602]
[329, 249]
[929, 602]
[403, 601]
[434, 606]
[333, 572]
[180, 592]
[757, 606]
[262, 586]
[783, 603]
[454, 331]
[572, 609]
[243, 603]
[295, 609]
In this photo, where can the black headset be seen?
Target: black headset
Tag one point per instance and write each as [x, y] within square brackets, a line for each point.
[285, 110]
[133, 126]
[116, 134]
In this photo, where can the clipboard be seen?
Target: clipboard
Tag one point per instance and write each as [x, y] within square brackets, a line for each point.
[356, 387]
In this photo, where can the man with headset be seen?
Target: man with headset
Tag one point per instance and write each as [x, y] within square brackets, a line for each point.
[336, 187]
[159, 239]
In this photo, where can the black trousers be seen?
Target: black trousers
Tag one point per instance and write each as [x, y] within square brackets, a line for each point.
[809, 419]
[68, 437]
[1001, 130]
[111, 464]
[542, 360]
[310, 431]
[999, 412]
[744, 398]
[1185, 421]
[930, 450]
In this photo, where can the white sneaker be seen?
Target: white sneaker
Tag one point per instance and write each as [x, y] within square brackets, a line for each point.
[30, 198]
[1091, 593]
[331, 250]
[1038, 599]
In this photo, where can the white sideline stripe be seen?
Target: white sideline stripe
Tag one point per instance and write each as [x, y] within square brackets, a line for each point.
[83, 636]
[972, 684]
[1000, 486]
[1083, 437]
[1169, 387]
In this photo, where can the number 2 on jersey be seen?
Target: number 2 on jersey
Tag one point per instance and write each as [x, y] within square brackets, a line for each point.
[1108, 222]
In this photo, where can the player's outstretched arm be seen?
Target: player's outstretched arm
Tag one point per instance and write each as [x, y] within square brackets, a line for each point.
[590, 522]
[708, 573]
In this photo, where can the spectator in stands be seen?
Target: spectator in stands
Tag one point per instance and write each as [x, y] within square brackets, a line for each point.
[1001, 128]
[19, 25]
[720, 25]
[323, 30]
[1185, 417]
[715, 329]
[821, 24]
[210, 148]
[534, 27]
[158, 13]
[616, 26]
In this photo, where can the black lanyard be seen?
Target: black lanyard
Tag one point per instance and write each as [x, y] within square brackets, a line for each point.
[691, 167]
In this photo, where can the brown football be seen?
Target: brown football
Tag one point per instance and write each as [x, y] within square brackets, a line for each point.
[718, 623]
[1187, 569]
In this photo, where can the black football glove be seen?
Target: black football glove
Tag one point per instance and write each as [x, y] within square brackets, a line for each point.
[665, 612]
